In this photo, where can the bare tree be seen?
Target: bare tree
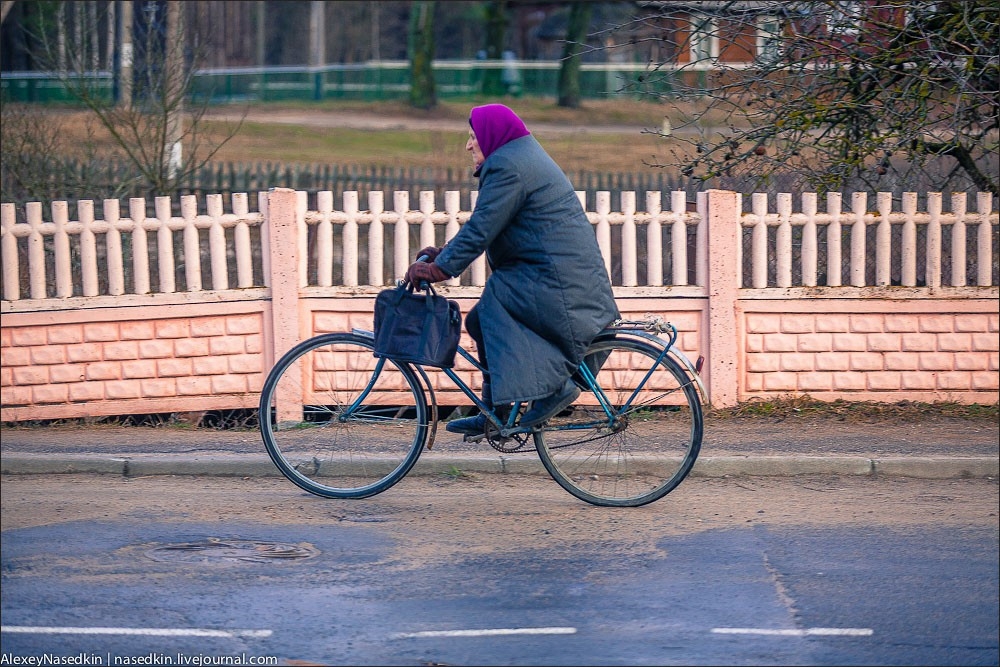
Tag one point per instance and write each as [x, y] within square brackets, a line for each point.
[32, 162]
[880, 95]
[150, 125]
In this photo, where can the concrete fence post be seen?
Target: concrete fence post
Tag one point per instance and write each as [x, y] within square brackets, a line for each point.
[283, 251]
[723, 327]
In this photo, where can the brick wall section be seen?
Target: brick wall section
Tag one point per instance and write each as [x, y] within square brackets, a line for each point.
[168, 361]
[866, 355]
[213, 356]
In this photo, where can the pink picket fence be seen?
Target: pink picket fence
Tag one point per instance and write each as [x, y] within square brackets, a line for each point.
[143, 310]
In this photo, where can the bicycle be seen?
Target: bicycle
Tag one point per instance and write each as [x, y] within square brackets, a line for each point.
[341, 423]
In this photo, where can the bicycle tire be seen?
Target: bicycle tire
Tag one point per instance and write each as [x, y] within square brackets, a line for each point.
[653, 443]
[322, 447]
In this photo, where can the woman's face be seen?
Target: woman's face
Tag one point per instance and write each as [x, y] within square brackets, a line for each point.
[472, 145]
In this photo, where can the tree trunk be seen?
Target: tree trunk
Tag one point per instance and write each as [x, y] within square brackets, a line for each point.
[576, 39]
[421, 47]
[496, 30]
[174, 89]
[317, 45]
[125, 57]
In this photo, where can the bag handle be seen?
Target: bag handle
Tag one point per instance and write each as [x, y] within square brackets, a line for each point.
[428, 287]
[406, 285]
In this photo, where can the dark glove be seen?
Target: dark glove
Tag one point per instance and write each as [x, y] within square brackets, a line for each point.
[425, 271]
[430, 252]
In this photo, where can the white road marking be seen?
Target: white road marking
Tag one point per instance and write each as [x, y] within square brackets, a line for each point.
[842, 632]
[488, 632]
[147, 632]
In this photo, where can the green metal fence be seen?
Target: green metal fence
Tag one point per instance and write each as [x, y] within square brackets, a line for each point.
[373, 81]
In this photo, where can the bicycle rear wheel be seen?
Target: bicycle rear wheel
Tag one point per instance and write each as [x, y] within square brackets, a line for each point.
[334, 426]
[645, 447]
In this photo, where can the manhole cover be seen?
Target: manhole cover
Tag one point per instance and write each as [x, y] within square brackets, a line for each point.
[216, 549]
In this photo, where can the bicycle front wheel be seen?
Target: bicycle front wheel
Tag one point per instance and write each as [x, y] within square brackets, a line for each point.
[641, 443]
[339, 422]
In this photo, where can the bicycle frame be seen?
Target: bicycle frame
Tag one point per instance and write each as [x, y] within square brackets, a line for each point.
[645, 329]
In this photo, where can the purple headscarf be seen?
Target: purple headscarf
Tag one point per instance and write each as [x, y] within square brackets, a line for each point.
[495, 125]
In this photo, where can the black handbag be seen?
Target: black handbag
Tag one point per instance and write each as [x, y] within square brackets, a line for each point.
[419, 328]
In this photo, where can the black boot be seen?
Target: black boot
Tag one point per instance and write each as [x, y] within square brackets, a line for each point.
[477, 425]
[546, 408]
[468, 425]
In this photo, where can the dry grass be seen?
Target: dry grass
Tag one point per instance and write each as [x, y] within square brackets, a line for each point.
[864, 412]
[774, 410]
[531, 109]
[259, 142]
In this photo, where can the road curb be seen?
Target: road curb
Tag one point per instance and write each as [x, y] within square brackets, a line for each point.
[926, 467]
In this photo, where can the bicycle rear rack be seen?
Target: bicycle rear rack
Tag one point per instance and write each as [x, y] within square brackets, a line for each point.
[650, 329]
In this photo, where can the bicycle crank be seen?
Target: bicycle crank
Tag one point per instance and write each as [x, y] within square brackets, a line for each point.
[501, 443]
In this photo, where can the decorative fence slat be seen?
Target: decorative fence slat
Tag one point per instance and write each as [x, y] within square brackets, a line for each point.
[883, 244]
[629, 248]
[140, 249]
[350, 256]
[165, 246]
[452, 204]
[376, 236]
[64, 276]
[401, 234]
[958, 240]
[113, 243]
[783, 241]
[604, 226]
[809, 241]
[859, 241]
[8, 250]
[834, 270]
[759, 242]
[192, 244]
[909, 243]
[217, 243]
[241, 238]
[678, 240]
[36, 248]
[985, 238]
[65, 258]
[324, 239]
[934, 240]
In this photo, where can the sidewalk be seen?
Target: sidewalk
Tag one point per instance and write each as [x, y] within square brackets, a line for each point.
[937, 448]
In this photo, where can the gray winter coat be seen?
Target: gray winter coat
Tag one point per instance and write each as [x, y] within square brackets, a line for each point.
[549, 294]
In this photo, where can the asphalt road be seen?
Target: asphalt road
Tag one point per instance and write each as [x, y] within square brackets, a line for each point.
[490, 569]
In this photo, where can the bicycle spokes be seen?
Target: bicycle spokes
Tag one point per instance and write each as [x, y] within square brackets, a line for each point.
[635, 437]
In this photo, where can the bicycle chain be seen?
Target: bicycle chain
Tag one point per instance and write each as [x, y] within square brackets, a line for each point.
[501, 444]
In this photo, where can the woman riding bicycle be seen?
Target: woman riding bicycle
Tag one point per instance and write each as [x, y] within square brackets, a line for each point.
[548, 294]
